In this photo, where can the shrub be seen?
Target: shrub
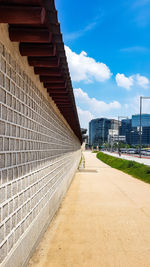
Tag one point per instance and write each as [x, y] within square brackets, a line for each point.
[133, 168]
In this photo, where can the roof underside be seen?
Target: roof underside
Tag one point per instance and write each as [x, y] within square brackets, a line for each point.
[34, 24]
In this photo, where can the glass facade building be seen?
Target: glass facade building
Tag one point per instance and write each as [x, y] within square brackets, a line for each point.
[146, 136]
[131, 129]
[125, 129]
[145, 119]
[135, 136]
[98, 131]
[135, 133]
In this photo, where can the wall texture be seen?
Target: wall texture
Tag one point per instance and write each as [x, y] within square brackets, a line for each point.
[39, 155]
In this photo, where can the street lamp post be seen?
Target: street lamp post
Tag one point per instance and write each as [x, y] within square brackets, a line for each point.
[120, 117]
[141, 98]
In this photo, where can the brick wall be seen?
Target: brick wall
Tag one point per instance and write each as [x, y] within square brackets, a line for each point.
[38, 157]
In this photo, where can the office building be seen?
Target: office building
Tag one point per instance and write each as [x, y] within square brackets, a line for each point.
[145, 129]
[114, 137]
[104, 130]
[98, 131]
[115, 124]
[145, 136]
[125, 129]
[145, 120]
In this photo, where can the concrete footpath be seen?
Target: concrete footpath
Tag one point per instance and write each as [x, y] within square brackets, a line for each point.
[104, 221]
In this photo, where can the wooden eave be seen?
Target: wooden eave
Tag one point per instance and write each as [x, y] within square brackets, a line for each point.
[34, 24]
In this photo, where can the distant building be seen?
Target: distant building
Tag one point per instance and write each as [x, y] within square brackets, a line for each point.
[145, 136]
[98, 131]
[113, 137]
[103, 130]
[84, 136]
[145, 119]
[115, 124]
[125, 129]
[145, 133]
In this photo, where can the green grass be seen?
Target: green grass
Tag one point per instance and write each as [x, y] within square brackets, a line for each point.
[133, 168]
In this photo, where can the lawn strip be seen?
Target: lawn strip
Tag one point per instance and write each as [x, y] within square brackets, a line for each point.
[133, 168]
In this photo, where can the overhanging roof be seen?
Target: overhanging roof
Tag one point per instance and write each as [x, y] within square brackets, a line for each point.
[34, 24]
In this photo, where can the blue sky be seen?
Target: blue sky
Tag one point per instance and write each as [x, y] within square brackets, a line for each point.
[108, 49]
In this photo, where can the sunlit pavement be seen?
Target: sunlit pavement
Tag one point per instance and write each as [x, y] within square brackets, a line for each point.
[104, 221]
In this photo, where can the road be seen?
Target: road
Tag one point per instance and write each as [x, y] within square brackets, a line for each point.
[145, 161]
[104, 221]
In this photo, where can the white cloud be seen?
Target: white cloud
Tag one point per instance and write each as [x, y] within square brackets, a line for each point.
[85, 117]
[77, 34]
[128, 82]
[84, 68]
[141, 80]
[126, 106]
[95, 106]
[133, 106]
[136, 49]
[123, 81]
[83, 30]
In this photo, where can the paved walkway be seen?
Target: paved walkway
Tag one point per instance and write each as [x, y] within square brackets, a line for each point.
[104, 221]
[145, 161]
